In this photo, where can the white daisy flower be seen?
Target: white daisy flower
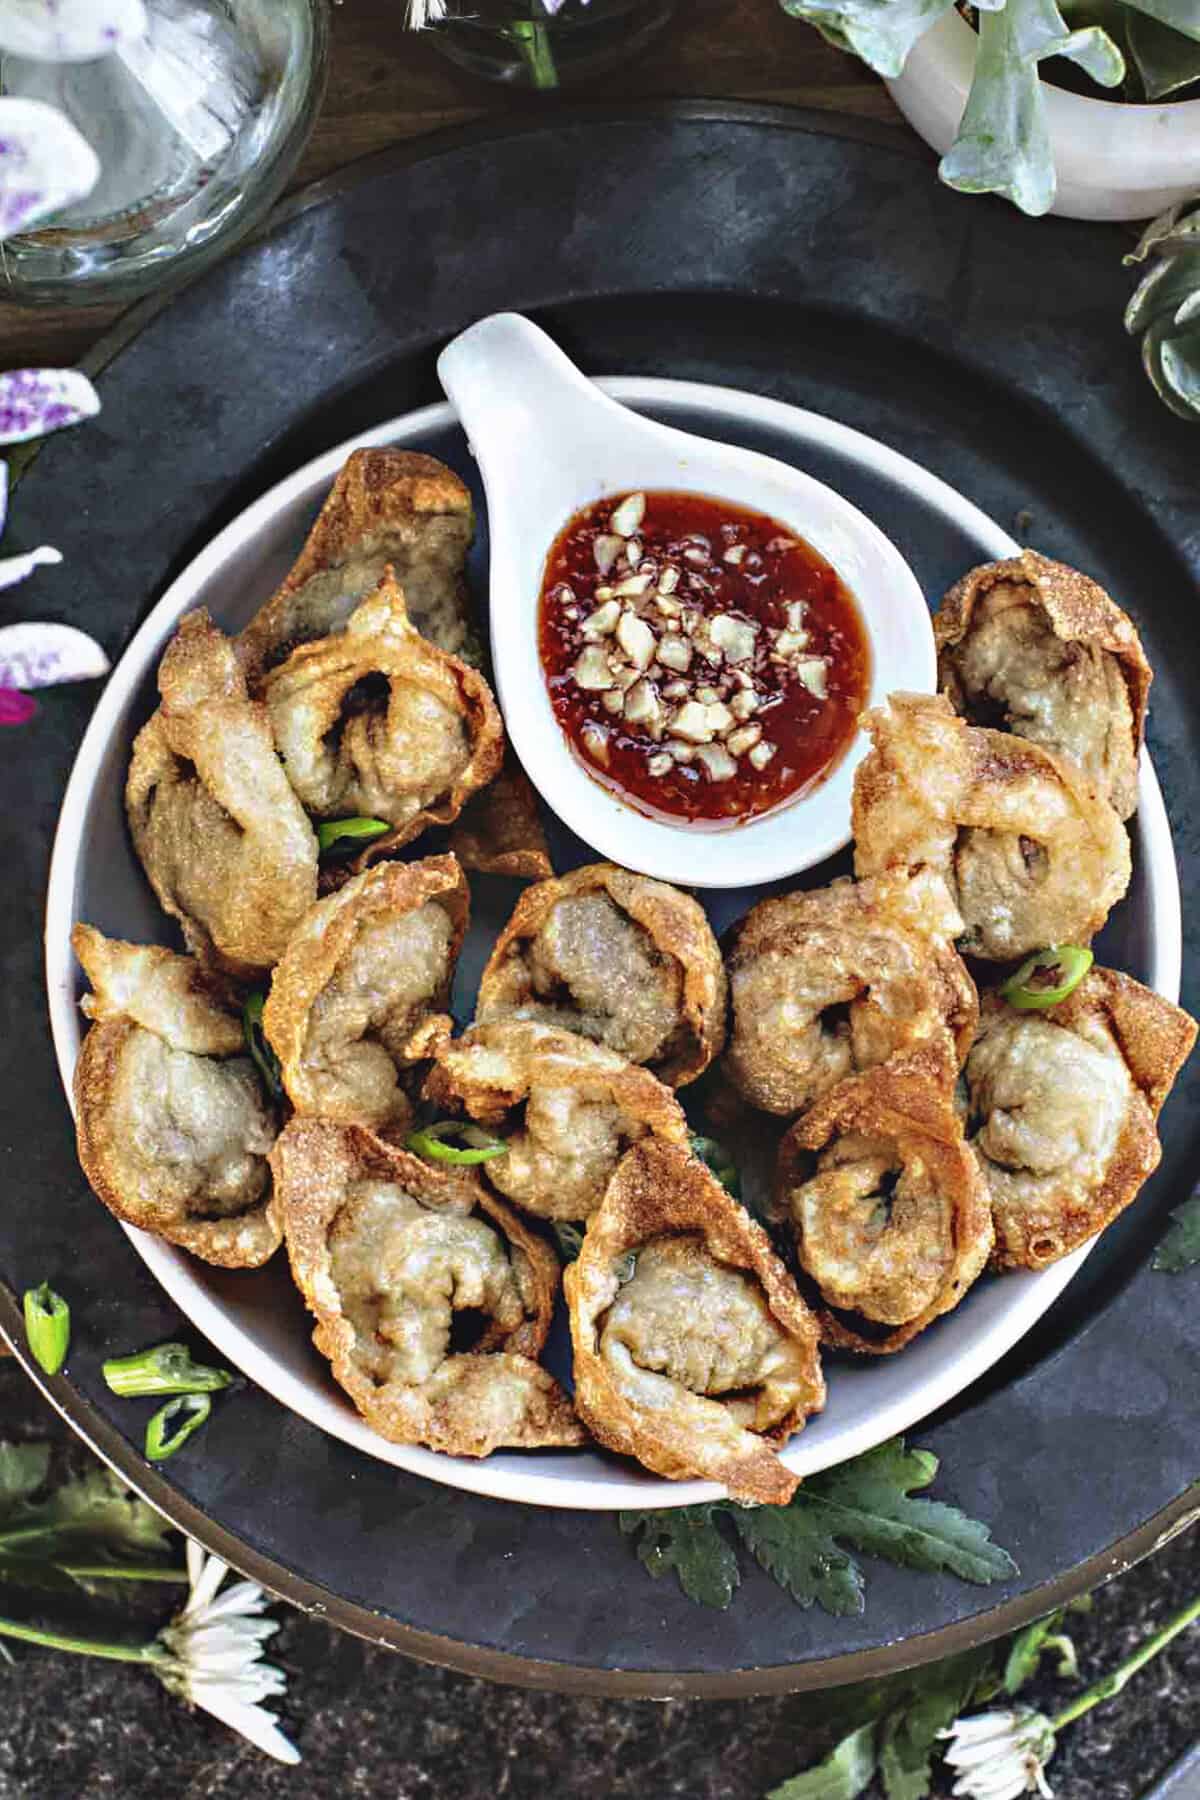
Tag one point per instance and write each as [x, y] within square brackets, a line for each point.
[1000, 1755]
[214, 1648]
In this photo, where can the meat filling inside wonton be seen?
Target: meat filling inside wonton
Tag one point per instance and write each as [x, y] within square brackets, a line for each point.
[174, 1128]
[693, 1350]
[432, 1300]
[1031, 853]
[625, 961]
[838, 979]
[567, 1109]
[359, 997]
[1062, 1110]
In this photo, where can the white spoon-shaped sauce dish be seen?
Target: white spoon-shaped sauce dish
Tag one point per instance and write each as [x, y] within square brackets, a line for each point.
[549, 444]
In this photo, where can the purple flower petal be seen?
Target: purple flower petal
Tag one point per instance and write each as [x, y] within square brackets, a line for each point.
[36, 401]
[16, 708]
[40, 654]
[45, 163]
[69, 30]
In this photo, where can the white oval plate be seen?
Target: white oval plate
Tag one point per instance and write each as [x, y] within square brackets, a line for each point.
[255, 1320]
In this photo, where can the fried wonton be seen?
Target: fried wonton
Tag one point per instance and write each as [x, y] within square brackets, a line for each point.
[358, 999]
[693, 1350]
[628, 962]
[222, 837]
[387, 507]
[890, 1217]
[500, 831]
[567, 1108]
[1040, 650]
[838, 979]
[400, 1262]
[173, 1126]
[1062, 1107]
[378, 723]
[1032, 854]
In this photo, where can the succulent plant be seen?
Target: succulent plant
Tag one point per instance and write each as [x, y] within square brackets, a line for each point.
[1165, 310]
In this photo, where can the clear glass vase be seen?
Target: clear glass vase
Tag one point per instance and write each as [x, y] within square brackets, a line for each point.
[544, 44]
[197, 126]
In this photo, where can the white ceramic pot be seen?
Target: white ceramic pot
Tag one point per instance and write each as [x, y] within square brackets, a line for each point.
[1113, 161]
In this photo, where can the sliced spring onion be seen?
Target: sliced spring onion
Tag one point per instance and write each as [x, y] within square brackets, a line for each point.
[164, 1436]
[47, 1327]
[341, 836]
[167, 1369]
[1047, 977]
[265, 1059]
[478, 1146]
[716, 1157]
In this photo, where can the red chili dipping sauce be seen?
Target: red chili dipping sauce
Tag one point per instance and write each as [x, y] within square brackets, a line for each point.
[703, 661]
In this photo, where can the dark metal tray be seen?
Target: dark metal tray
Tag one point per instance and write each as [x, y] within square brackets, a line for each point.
[784, 253]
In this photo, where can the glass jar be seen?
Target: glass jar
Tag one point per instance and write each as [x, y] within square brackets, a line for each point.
[197, 125]
[543, 44]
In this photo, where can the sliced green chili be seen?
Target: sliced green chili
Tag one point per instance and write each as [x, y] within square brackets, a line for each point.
[265, 1059]
[479, 1146]
[720, 1160]
[340, 837]
[191, 1410]
[1047, 977]
[167, 1369]
[47, 1327]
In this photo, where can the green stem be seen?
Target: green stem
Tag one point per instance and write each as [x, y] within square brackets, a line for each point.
[56, 1640]
[532, 39]
[122, 1572]
[1113, 1683]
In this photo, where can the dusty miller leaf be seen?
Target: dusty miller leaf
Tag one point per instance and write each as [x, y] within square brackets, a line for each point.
[23, 1469]
[688, 1540]
[1180, 1248]
[882, 32]
[843, 1775]
[91, 1510]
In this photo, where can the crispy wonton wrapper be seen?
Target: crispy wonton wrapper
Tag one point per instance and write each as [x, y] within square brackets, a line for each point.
[567, 1108]
[386, 1249]
[893, 1222]
[693, 1350]
[1032, 854]
[500, 831]
[840, 978]
[376, 722]
[387, 507]
[221, 835]
[628, 962]
[358, 999]
[1062, 1110]
[173, 1126]
[1038, 648]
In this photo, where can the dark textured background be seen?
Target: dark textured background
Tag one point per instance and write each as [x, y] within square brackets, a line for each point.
[372, 1723]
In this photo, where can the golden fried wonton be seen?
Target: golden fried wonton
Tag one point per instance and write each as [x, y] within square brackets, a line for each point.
[173, 1126]
[567, 1108]
[1032, 854]
[500, 831]
[840, 978]
[221, 835]
[386, 507]
[360, 993]
[400, 1261]
[1041, 650]
[693, 1350]
[628, 962]
[376, 722]
[890, 1216]
[1062, 1107]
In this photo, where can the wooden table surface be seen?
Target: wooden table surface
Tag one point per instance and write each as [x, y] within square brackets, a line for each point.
[387, 84]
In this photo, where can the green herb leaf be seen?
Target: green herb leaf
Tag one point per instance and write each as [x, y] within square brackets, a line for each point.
[908, 1740]
[47, 1327]
[23, 1469]
[798, 1552]
[36, 1575]
[1180, 1248]
[716, 1157]
[478, 1146]
[570, 1238]
[1028, 1647]
[262, 1055]
[167, 1369]
[843, 1775]
[688, 1540]
[92, 1511]
[344, 836]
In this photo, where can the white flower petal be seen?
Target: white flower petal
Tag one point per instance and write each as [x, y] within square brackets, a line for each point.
[1005, 1789]
[34, 402]
[254, 1723]
[20, 568]
[40, 654]
[206, 1573]
[69, 30]
[45, 163]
